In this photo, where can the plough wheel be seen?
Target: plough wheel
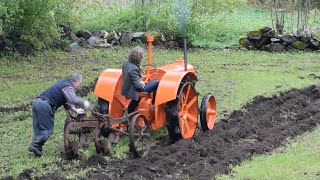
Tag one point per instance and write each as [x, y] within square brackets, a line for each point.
[140, 136]
[71, 140]
[73, 149]
[183, 113]
[101, 142]
[208, 112]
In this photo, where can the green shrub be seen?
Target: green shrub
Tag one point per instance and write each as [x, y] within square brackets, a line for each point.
[36, 21]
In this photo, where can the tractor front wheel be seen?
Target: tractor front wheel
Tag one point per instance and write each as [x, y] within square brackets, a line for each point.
[208, 112]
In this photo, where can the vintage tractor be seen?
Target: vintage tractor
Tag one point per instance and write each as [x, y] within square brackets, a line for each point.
[174, 104]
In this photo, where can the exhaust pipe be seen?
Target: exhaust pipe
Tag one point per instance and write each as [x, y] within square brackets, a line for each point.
[149, 40]
[185, 53]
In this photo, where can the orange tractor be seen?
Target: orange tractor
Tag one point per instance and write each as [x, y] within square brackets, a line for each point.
[174, 104]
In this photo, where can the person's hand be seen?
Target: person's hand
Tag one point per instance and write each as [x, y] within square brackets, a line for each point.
[80, 111]
[143, 84]
[86, 104]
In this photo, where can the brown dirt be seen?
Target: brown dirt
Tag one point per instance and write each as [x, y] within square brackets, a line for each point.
[25, 107]
[258, 128]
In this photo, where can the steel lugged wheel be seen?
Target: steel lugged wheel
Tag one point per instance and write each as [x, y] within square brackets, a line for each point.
[140, 136]
[73, 149]
[71, 140]
[183, 113]
[102, 147]
[208, 112]
[101, 142]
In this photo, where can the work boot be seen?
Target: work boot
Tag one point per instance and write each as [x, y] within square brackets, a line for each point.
[36, 146]
[36, 150]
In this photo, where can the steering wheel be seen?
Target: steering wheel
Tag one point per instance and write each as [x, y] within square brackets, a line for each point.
[153, 74]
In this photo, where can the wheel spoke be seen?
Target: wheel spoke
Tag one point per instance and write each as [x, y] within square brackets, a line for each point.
[193, 100]
[186, 126]
[188, 91]
[211, 112]
[192, 118]
[180, 114]
[139, 136]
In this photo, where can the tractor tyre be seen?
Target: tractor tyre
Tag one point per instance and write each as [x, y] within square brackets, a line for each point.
[182, 113]
[102, 106]
[208, 112]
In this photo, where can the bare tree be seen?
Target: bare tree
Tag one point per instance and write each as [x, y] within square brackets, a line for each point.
[305, 9]
[279, 9]
[299, 11]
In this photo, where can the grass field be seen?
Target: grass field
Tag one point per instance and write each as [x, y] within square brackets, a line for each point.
[234, 77]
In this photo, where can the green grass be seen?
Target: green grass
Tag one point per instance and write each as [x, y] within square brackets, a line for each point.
[222, 28]
[300, 160]
[234, 77]
[225, 28]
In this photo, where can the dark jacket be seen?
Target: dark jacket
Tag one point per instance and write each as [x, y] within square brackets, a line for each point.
[55, 95]
[131, 84]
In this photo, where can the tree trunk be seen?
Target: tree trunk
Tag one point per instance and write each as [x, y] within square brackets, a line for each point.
[125, 38]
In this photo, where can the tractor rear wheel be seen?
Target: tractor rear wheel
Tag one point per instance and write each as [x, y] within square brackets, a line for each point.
[208, 112]
[140, 136]
[103, 106]
[182, 113]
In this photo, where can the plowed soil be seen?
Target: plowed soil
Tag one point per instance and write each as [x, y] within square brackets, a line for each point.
[258, 128]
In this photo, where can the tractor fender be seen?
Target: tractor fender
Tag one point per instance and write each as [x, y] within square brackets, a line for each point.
[107, 83]
[169, 85]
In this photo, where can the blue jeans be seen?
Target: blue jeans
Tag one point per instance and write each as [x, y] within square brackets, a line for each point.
[151, 86]
[43, 121]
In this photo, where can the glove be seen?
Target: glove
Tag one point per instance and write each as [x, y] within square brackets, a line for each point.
[80, 111]
[86, 104]
[143, 84]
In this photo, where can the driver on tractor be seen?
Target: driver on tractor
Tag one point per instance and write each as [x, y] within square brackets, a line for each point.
[131, 78]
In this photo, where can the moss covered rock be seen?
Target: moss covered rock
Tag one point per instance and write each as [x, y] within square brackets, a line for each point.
[288, 38]
[254, 35]
[265, 29]
[275, 47]
[241, 41]
[299, 45]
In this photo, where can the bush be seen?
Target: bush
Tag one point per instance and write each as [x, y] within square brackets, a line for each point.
[36, 21]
